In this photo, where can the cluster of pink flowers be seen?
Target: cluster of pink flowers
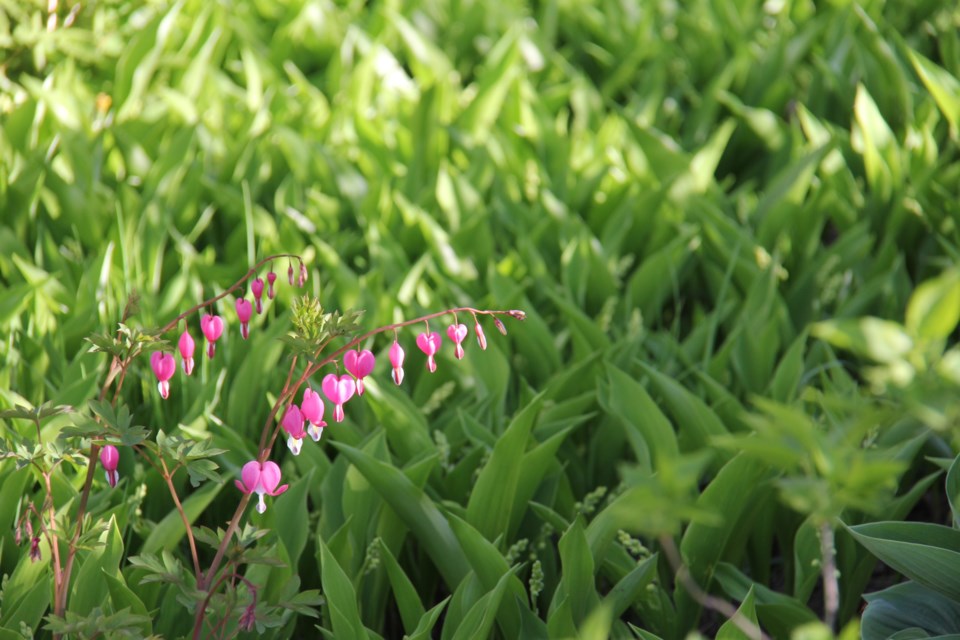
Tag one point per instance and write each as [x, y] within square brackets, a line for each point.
[212, 326]
[305, 419]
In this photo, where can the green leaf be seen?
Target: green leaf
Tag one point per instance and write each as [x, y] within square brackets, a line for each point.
[491, 501]
[478, 623]
[290, 514]
[428, 621]
[909, 606]
[404, 592]
[577, 589]
[649, 432]
[729, 629]
[90, 590]
[416, 510]
[490, 566]
[944, 88]
[883, 341]
[696, 422]
[340, 595]
[934, 308]
[169, 531]
[927, 553]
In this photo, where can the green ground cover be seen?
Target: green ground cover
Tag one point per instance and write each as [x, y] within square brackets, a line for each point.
[733, 230]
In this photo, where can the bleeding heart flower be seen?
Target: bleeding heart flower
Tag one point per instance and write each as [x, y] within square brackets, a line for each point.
[271, 278]
[256, 288]
[456, 333]
[260, 479]
[164, 366]
[292, 423]
[429, 343]
[360, 365]
[396, 359]
[212, 327]
[110, 458]
[290, 274]
[481, 339]
[244, 311]
[338, 390]
[302, 279]
[312, 409]
[187, 347]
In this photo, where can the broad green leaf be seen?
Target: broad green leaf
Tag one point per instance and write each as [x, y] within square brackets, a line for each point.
[880, 340]
[428, 621]
[478, 623]
[490, 566]
[416, 510]
[169, 531]
[730, 494]
[649, 431]
[290, 516]
[577, 589]
[90, 589]
[909, 606]
[404, 592]
[934, 308]
[631, 587]
[778, 614]
[925, 552]
[340, 595]
[696, 423]
[729, 630]
[492, 498]
[943, 86]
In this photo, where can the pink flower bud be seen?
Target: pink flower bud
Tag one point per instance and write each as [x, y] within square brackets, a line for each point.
[481, 339]
[244, 311]
[110, 458]
[256, 288]
[212, 327]
[396, 360]
[187, 347]
[271, 278]
[164, 366]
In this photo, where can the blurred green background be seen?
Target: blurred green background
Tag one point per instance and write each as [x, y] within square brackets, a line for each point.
[694, 202]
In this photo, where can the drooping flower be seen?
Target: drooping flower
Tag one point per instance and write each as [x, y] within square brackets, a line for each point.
[248, 618]
[396, 359]
[429, 343]
[164, 366]
[360, 364]
[244, 311]
[35, 549]
[187, 347]
[338, 389]
[481, 339]
[256, 288]
[110, 458]
[498, 323]
[292, 423]
[212, 327]
[302, 279]
[456, 333]
[271, 278]
[260, 479]
[312, 409]
[290, 273]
